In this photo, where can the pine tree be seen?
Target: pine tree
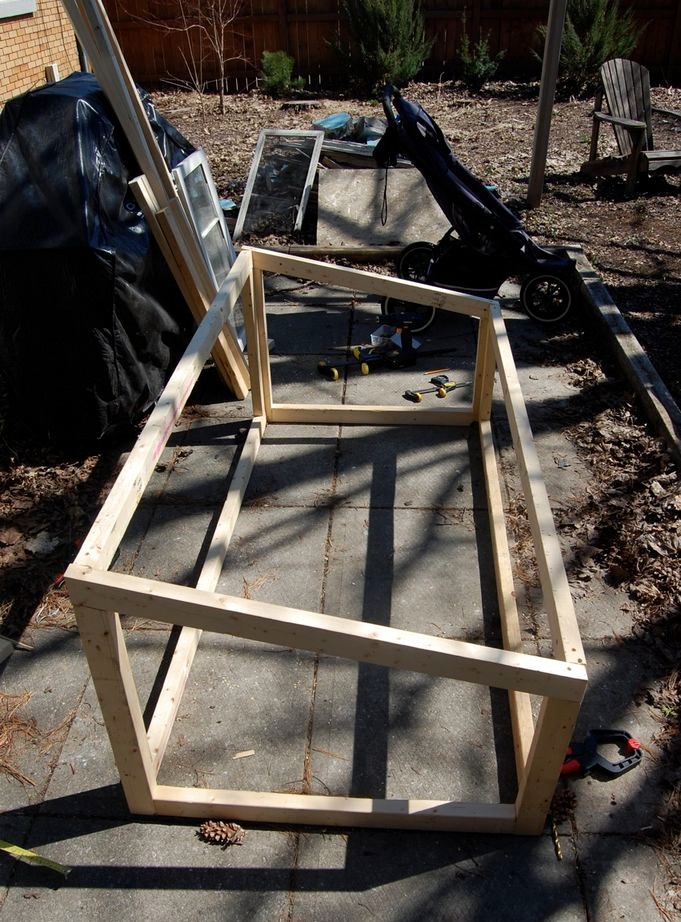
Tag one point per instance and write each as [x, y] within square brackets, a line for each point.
[388, 44]
[595, 31]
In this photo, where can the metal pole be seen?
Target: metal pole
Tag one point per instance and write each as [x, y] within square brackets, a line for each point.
[547, 92]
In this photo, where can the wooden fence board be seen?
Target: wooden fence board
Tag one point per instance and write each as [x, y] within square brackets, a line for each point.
[304, 29]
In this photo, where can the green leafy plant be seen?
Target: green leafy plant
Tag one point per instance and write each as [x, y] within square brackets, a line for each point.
[276, 77]
[595, 31]
[388, 42]
[478, 65]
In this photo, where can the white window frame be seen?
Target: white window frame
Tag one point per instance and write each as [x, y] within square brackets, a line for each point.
[197, 161]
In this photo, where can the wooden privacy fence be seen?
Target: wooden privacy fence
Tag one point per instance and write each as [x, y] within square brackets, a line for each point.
[151, 33]
[99, 594]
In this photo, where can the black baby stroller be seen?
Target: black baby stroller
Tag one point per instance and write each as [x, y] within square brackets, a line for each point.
[486, 243]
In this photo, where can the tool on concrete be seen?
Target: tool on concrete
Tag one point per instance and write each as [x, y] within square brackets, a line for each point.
[582, 757]
[441, 387]
[25, 854]
[332, 372]
[393, 347]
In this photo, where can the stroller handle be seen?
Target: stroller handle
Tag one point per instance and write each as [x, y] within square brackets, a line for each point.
[389, 92]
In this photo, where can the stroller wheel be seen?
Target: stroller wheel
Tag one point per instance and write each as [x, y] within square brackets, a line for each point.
[414, 261]
[546, 298]
[419, 316]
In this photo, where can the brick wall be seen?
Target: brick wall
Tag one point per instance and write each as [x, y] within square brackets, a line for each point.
[28, 44]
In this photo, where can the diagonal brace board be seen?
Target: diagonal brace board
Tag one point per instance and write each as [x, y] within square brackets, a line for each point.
[326, 634]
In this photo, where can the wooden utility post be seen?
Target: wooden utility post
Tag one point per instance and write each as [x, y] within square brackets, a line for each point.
[547, 92]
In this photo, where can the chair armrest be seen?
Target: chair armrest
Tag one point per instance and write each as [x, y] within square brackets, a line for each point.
[662, 111]
[628, 123]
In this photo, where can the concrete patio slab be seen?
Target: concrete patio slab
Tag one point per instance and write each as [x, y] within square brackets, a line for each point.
[388, 525]
[351, 204]
[436, 877]
[151, 870]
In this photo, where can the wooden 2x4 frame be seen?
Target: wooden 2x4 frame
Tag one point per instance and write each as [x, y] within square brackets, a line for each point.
[99, 595]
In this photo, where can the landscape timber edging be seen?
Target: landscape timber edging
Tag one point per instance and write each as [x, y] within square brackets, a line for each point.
[656, 399]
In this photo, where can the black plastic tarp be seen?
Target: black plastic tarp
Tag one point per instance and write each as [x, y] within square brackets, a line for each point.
[91, 322]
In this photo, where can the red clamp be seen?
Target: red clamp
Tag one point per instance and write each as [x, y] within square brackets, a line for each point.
[582, 757]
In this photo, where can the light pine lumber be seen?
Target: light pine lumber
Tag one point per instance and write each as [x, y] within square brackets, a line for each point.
[196, 301]
[485, 367]
[174, 221]
[107, 656]
[180, 235]
[165, 712]
[520, 704]
[97, 593]
[257, 363]
[556, 590]
[181, 271]
[348, 415]
[537, 783]
[326, 634]
[96, 35]
[224, 529]
[109, 527]
[264, 807]
[262, 355]
[369, 282]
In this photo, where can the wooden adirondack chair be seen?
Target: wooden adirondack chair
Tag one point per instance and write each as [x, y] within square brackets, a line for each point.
[626, 88]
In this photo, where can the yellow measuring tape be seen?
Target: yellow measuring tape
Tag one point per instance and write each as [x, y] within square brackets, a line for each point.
[32, 858]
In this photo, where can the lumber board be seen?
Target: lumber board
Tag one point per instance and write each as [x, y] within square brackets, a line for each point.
[657, 401]
[557, 598]
[327, 634]
[256, 362]
[175, 226]
[537, 783]
[107, 657]
[380, 415]
[97, 38]
[319, 810]
[96, 35]
[354, 253]
[165, 712]
[522, 721]
[226, 353]
[369, 282]
[354, 153]
[262, 355]
[109, 527]
[485, 368]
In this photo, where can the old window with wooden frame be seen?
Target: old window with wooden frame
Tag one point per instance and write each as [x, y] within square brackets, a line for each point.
[544, 693]
[199, 196]
[279, 182]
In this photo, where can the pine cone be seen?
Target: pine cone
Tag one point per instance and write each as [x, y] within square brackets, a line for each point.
[217, 832]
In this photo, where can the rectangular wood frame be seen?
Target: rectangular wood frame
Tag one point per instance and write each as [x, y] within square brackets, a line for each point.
[99, 595]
